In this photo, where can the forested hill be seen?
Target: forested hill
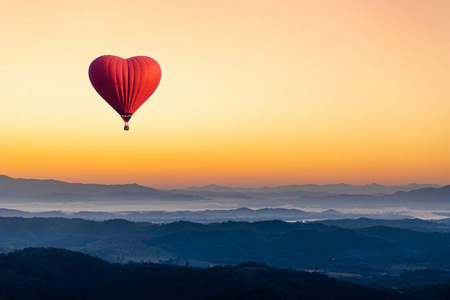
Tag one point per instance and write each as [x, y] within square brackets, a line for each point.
[50, 273]
[281, 244]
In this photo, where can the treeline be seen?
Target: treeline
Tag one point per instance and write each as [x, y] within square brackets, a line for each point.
[50, 273]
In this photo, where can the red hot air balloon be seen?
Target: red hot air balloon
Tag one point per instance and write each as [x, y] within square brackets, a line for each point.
[125, 83]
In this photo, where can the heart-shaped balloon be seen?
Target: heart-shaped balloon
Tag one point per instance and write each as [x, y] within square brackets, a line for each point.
[125, 83]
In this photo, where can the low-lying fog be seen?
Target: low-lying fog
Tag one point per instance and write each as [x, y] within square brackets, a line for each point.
[172, 206]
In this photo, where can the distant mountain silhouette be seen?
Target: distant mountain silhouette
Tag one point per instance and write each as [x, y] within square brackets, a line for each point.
[321, 196]
[427, 192]
[32, 187]
[341, 188]
[54, 190]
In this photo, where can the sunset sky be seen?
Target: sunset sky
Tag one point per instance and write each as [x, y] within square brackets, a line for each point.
[253, 93]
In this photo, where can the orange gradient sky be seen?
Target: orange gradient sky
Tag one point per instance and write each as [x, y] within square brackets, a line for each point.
[253, 93]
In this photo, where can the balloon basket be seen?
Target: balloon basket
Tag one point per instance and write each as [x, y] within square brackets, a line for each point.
[126, 127]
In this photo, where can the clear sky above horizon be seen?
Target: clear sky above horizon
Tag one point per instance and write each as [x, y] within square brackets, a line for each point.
[253, 93]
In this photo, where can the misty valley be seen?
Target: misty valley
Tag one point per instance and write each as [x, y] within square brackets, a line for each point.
[292, 242]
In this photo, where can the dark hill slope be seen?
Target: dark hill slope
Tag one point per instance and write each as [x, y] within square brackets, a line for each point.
[439, 291]
[50, 273]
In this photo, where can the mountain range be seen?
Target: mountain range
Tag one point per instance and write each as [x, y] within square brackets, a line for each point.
[342, 188]
[203, 216]
[50, 189]
[356, 246]
[332, 196]
[34, 187]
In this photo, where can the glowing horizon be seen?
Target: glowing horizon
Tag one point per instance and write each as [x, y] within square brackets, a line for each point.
[253, 93]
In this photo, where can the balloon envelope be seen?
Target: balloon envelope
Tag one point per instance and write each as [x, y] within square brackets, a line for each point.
[125, 83]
